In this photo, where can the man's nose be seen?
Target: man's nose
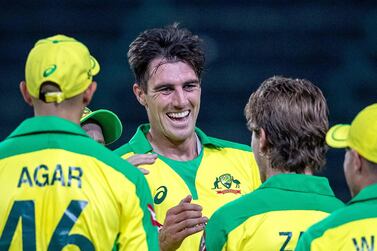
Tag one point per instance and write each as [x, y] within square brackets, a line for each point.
[180, 97]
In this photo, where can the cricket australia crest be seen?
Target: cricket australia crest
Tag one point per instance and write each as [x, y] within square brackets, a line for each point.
[224, 183]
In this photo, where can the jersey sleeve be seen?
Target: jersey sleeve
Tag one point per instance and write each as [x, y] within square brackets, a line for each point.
[137, 231]
[303, 244]
[215, 236]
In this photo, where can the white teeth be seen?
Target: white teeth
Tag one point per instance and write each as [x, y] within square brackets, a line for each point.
[178, 115]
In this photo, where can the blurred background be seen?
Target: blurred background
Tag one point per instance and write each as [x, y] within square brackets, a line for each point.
[331, 43]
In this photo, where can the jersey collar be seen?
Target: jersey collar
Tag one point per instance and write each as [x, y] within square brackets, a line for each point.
[299, 182]
[368, 193]
[47, 124]
[140, 144]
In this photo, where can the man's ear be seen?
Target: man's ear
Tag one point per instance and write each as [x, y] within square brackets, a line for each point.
[139, 94]
[25, 93]
[263, 141]
[89, 92]
[357, 164]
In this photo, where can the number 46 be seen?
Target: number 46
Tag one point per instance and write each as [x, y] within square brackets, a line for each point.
[60, 238]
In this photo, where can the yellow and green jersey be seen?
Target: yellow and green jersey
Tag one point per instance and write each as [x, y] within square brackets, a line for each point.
[222, 172]
[59, 189]
[352, 228]
[274, 216]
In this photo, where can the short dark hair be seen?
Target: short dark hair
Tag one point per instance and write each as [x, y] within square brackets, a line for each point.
[294, 115]
[171, 43]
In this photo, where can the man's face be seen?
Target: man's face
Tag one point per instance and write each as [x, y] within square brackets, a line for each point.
[172, 100]
[94, 131]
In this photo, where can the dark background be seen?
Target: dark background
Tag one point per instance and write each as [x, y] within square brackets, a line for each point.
[331, 43]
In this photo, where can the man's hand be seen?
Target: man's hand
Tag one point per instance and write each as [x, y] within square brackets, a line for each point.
[142, 159]
[181, 221]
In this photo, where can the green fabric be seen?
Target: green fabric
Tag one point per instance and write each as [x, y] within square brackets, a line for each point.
[186, 170]
[362, 206]
[47, 124]
[49, 132]
[368, 193]
[44, 132]
[279, 193]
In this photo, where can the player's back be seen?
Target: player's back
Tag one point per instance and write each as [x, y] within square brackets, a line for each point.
[353, 227]
[274, 216]
[69, 192]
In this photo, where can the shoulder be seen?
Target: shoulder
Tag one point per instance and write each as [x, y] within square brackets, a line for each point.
[334, 220]
[113, 160]
[225, 220]
[123, 150]
[246, 206]
[76, 144]
[229, 144]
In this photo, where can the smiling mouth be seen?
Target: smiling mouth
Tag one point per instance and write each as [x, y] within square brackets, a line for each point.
[178, 115]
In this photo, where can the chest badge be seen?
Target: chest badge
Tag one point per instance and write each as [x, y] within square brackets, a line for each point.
[224, 184]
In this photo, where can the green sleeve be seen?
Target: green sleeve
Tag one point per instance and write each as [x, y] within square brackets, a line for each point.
[303, 243]
[215, 234]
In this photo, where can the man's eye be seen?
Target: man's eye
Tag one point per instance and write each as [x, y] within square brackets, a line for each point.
[165, 90]
[190, 87]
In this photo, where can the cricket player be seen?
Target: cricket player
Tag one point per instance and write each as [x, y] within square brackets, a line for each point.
[102, 125]
[58, 188]
[288, 121]
[353, 227]
[192, 174]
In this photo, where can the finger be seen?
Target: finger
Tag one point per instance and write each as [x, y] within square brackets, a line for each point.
[195, 225]
[187, 199]
[172, 219]
[139, 159]
[183, 207]
[181, 216]
[186, 215]
[190, 230]
[144, 171]
[142, 159]
[190, 223]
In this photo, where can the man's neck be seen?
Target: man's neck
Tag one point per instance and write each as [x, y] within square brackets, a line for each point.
[274, 171]
[72, 114]
[185, 150]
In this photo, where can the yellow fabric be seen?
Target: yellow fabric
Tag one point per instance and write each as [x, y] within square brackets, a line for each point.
[355, 235]
[275, 230]
[216, 162]
[61, 60]
[100, 221]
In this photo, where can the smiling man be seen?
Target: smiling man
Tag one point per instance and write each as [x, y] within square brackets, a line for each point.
[193, 173]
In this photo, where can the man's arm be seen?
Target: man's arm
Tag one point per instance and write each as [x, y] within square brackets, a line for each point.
[137, 229]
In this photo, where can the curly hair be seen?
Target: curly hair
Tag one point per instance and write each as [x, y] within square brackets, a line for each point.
[170, 43]
[294, 115]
